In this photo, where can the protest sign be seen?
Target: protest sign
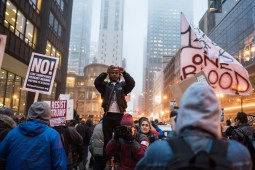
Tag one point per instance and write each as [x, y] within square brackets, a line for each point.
[41, 73]
[223, 72]
[2, 48]
[179, 88]
[58, 112]
[69, 115]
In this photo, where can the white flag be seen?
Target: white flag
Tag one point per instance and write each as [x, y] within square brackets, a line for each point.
[224, 73]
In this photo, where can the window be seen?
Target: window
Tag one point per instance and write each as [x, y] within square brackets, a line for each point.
[52, 51]
[54, 25]
[16, 22]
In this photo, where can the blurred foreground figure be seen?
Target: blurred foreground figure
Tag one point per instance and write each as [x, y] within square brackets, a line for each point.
[6, 122]
[198, 143]
[33, 144]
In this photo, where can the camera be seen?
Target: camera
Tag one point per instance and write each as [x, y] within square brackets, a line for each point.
[124, 132]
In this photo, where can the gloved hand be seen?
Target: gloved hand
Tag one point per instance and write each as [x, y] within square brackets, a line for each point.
[154, 124]
[109, 69]
[121, 69]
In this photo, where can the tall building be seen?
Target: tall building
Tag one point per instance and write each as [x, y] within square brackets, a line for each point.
[111, 32]
[32, 26]
[79, 48]
[163, 39]
[234, 31]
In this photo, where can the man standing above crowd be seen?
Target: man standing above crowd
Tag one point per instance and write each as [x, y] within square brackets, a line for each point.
[113, 95]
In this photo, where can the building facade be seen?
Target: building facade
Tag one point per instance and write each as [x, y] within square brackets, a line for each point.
[163, 39]
[87, 100]
[234, 31]
[79, 48]
[32, 26]
[111, 32]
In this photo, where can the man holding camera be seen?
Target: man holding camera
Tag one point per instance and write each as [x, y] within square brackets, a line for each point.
[113, 95]
[126, 144]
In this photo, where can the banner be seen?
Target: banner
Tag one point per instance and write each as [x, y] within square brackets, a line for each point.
[2, 48]
[41, 73]
[223, 72]
[58, 112]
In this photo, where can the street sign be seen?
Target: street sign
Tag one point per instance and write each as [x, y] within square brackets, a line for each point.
[41, 73]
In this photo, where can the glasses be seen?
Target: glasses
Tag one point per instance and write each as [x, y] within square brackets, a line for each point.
[145, 125]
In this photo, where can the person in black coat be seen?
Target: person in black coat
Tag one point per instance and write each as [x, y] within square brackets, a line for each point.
[113, 94]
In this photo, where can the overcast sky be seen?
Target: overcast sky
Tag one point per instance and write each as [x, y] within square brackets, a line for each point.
[135, 29]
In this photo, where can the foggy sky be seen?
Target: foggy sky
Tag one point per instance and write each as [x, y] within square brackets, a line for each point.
[135, 30]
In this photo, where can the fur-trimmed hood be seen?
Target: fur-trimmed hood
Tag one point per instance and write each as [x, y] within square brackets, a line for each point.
[8, 120]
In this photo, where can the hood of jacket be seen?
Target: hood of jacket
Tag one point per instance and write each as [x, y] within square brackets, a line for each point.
[199, 108]
[32, 127]
[8, 120]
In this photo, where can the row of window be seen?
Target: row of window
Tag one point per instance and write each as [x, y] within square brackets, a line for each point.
[52, 51]
[11, 95]
[16, 22]
[55, 25]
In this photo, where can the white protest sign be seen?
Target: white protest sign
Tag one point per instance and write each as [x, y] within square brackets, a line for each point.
[58, 112]
[41, 73]
[69, 115]
[223, 72]
[2, 48]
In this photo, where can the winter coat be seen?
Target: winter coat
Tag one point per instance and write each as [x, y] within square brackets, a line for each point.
[85, 130]
[159, 154]
[121, 89]
[97, 140]
[130, 151]
[33, 145]
[6, 124]
[198, 123]
[72, 142]
[150, 135]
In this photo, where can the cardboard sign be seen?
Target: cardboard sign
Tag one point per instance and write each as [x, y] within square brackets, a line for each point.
[179, 88]
[2, 48]
[58, 112]
[224, 73]
[41, 73]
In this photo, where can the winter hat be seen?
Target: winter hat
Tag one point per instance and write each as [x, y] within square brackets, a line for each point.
[39, 111]
[7, 112]
[127, 120]
[199, 107]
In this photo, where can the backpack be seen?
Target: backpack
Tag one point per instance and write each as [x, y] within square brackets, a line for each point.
[247, 141]
[185, 159]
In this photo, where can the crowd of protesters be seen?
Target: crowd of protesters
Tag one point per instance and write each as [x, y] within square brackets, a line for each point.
[119, 142]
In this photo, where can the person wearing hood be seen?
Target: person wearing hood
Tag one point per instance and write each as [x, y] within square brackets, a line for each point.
[84, 128]
[198, 125]
[6, 122]
[33, 144]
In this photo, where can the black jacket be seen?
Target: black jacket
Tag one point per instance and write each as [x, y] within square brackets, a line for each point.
[121, 89]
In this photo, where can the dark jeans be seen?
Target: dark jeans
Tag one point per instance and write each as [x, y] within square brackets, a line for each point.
[85, 151]
[110, 122]
[99, 163]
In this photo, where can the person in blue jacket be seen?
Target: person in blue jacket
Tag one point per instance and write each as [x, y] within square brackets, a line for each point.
[33, 144]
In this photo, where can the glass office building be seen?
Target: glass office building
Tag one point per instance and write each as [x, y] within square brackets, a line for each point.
[234, 31]
[32, 26]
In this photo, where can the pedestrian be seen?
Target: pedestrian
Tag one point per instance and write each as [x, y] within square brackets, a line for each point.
[85, 130]
[97, 147]
[244, 133]
[198, 137]
[173, 119]
[113, 94]
[72, 142]
[145, 129]
[125, 142]
[33, 144]
[6, 122]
